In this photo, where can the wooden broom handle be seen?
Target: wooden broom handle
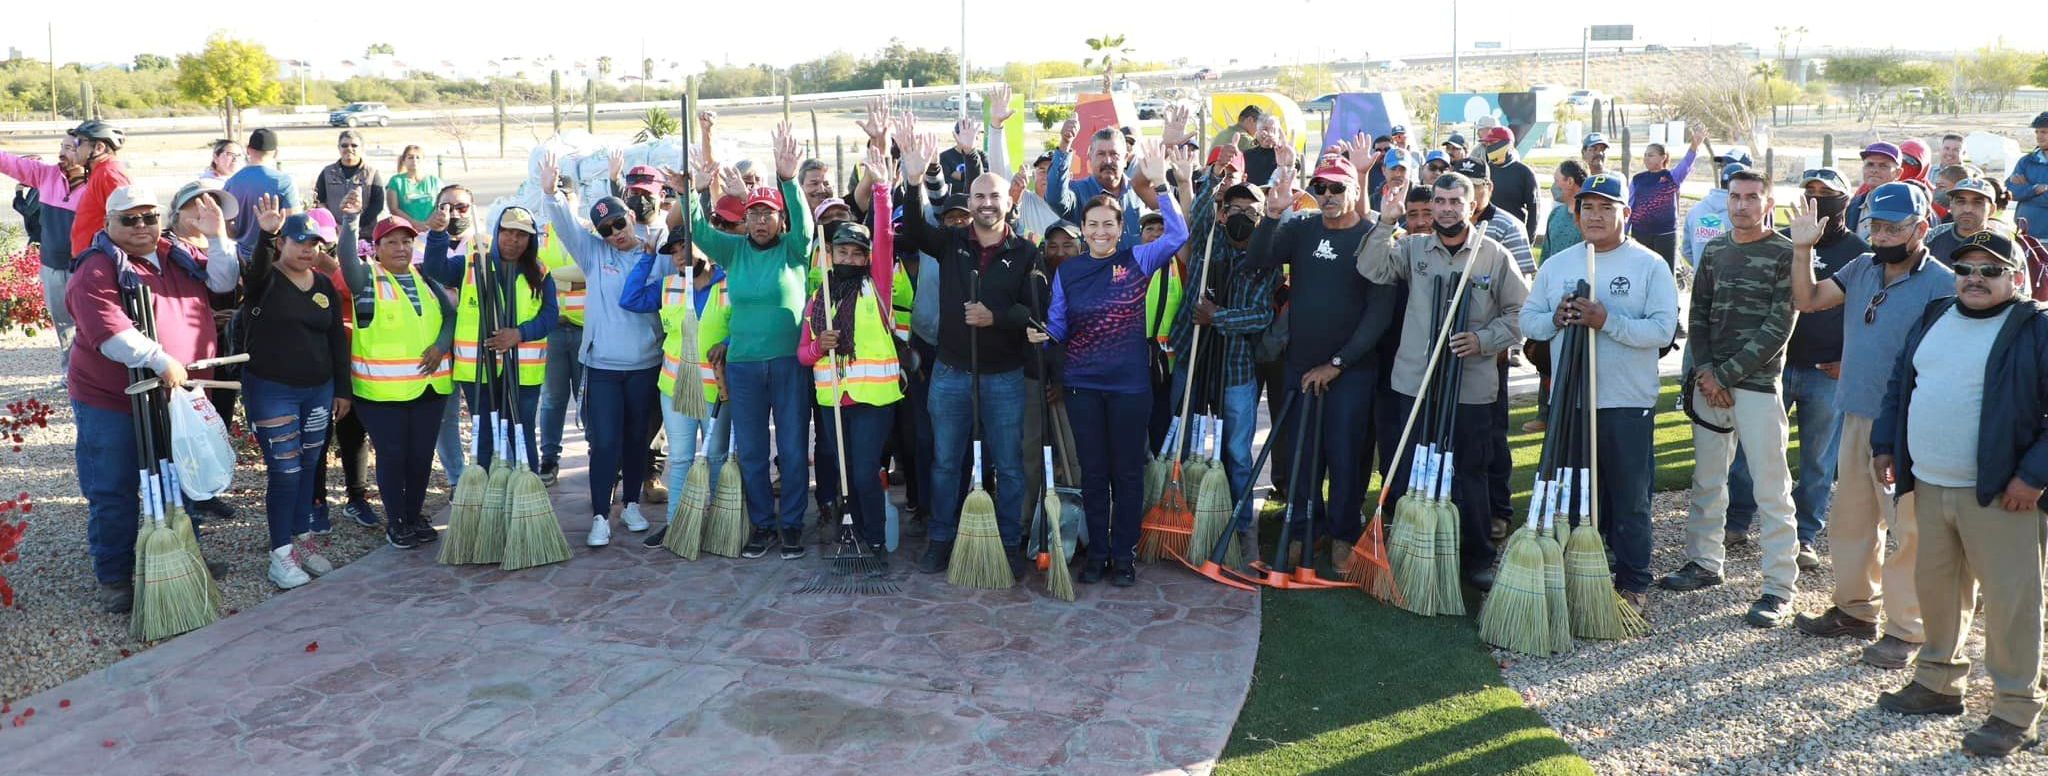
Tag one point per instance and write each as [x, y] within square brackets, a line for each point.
[1187, 390]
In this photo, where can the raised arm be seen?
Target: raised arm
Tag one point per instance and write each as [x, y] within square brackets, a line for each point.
[583, 246]
[1381, 261]
[1809, 295]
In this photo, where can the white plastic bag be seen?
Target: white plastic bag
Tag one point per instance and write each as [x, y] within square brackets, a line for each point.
[199, 445]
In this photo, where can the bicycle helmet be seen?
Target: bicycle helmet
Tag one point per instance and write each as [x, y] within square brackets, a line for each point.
[95, 129]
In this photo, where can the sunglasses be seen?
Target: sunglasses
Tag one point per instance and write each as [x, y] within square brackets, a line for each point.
[350, 145]
[146, 219]
[607, 228]
[1870, 313]
[457, 207]
[1986, 271]
[1320, 188]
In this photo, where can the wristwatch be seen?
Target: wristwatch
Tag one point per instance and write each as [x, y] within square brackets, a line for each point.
[1337, 361]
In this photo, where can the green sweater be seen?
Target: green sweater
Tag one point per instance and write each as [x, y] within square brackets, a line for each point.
[765, 286]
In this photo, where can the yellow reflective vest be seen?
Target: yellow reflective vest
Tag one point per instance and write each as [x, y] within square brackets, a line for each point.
[385, 355]
[533, 356]
[711, 330]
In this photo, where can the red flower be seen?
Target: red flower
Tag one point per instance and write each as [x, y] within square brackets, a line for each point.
[313, 646]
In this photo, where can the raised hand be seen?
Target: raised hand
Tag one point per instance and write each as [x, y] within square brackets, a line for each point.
[1283, 150]
[706, 119]
[353, 203]
[1283, 191]
[787, 153]
[269, 216]
[1020, 183]
[1068, 130]
[676, 180]
[876, 125]
[905, 126]
[999, 106]
[1698, 135]
[1806, 223]
[707, 172]
[550, 174]
[211, 221]
[615, 165]
[1176, 126]
[878, 168]
[439, 220]
[968, 131]
[1152, 161]
[731, 182]
[1361, 153]
[1182, 158]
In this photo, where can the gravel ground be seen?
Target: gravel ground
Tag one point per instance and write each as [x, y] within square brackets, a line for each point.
[55, 632]
[1706, 693]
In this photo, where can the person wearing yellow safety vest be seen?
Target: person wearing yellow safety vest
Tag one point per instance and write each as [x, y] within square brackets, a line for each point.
[564, 373]
[669, 297]
[831, 214]
[514, 260]
[851, 351]
[402, 375]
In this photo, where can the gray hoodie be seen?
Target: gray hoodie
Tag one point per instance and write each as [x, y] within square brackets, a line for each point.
[613, 338]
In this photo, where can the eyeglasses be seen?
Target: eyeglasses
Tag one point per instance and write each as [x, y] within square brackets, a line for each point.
[458, 207]
[1239, 210]
[607, 228]
[760, 214]
[146, 219]
[1870, 313]
[1986, 271]
[1901, 228]
[350, 145]
[1320, 188]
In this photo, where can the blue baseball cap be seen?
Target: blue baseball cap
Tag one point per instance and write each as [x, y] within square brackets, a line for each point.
[1977, 186]
[1897, 202]
[1604, 186]
[1398, 158]
[1729, 170]
[1436, 156]
[299, 227]
[1398, 129]
[1592, 139]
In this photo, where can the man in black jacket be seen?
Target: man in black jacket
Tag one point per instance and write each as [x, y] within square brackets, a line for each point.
[984, 306]
[1977, 469]
[1514, 184]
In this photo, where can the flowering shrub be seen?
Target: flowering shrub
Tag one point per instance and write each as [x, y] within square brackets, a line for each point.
[10, 541]
[21, 293]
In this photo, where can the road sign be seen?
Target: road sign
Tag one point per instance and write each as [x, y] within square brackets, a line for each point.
[1614, 32]
[1486, 44]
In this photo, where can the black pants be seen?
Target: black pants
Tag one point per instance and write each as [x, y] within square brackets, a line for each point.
[403, 434]
[1109, 429]
[1665, 245]
[1468, 484]
[1273, 378]
[351, 444]
[1538, 353]
[1500, 466]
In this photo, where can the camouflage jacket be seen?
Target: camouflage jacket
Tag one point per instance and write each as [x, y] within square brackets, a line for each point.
[1742, 313]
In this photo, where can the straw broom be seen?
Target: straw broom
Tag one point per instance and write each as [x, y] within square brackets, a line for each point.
[1450, 595]
[1198, 465]
[725, 527]
[978, 559]
[685, 535]
[465, 505]
[1169, 524]
[180, 523]
[533, 534]
[1212, 505]
[1516, 617]
[1059, 578]
[175, 596]
[1156, 467]
[1598, 610]
[1411, 553]
[145, 527]
[489, 546]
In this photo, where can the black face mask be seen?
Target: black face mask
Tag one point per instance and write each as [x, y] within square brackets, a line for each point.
[848, 272]
[1892, 254]
[1830, 209]
[1449, 231]
[641, 206]
[458, 225]
[1239, 227]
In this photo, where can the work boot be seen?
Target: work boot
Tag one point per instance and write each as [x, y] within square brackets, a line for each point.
[1641, 601]
[918, 525]
[653, 491]
[938, 556]
[1123, 574]
[1769, 611]
[1091, 571]
[1809, 560]
[1915, 699]
[1340, 557]
[1692, 576]
[117, 597]
[550, 471]
[1998, 738]
[1890, 653]
[1835, 623]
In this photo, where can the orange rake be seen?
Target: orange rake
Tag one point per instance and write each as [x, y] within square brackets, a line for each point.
[1212, 566]
[1169, 525]
[1281, 574]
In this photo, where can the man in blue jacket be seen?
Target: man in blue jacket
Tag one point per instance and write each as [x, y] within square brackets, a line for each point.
[1977, 468]
[2029, 181]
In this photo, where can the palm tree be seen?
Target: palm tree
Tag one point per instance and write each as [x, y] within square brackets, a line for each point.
[1109, 52]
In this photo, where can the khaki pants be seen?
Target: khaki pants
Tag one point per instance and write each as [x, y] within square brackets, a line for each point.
[1962, 543]
[1865, 579]
[1760, 427]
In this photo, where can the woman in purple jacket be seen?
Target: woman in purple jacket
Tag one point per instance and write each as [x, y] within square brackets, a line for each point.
[1098, 315]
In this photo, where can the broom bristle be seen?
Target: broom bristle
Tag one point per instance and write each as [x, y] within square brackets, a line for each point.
[1155, 481]
[181, 524]
[174, 591]
[685, 535]
[1212, 513]
[1059, 580]
[1515, 616]
[725, 528]
[1412, 555]
[491, 527]
[978, 557]
[1597, 611]
[1554, 593]
[465, 507]
[137, 608]
[1450, 596]
[1191, 481]
[533, 535]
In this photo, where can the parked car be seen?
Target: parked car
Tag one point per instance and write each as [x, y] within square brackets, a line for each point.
[974, 100]
[1323, 103]
[358, 114]
[1207, 74]
[1656, 48]
[1584, 98]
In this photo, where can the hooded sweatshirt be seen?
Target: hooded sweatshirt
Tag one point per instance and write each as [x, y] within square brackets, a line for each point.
[1705, 221]
[613, 337]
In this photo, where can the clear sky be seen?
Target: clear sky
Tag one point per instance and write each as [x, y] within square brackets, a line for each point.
[781, 32]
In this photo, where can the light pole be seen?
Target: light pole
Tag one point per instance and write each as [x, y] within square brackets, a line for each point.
[963, 60]
[1454, 45]
[1585, 53]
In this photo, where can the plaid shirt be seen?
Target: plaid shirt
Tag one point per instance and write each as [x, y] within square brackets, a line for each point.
[1244, 298]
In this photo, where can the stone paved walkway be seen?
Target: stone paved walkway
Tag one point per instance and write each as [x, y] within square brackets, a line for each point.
[630, 660]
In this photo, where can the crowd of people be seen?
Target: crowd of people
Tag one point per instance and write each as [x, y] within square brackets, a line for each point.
[943, 298]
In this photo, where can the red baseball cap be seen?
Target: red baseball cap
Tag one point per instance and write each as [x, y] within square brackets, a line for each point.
[1227, 154]
[1497, 135]
[1338, 170]
[731, 208]
[642, 172]
[764, 196]
[389, 225]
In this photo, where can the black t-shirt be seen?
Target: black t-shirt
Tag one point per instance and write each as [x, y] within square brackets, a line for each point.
[1817, 337]
[295, 336]
[1333, 311]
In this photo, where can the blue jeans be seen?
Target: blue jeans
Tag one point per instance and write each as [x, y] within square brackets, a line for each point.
[479, 406]
[1811, 393]
[867, 427]
[107, 473]
[779, 389]
[1110, 436]
[291, 427]
[565, 375]
[448, 444]
[1628, 472]
[402, 433]
[1002, 420]
[618, 409]
[683, 432]
[1347, 417]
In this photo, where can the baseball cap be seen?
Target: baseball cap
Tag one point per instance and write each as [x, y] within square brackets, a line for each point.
[1729, 170]
[1472, 168]
[1897, 202]
[1604, 186]
[1338, 170]
[300, 228]
[1436, 156]
[1827, 177]
[1151, 218]
[954, 202]
[1243, 191]
[762, 196]
[1592, 139]
[130, 198]
[730, 208]
[324, 221]
[1912, 152]
[1227, 154]
[607, 209]
[1398, 158]
[1398, 129]
[1497, 135]
[262, 140]
[1977, 186]
[388, 225]
[853, 234]
[643, 172]
[518, 219]
[2040, 121]
[1988, 241]
[1062, 226]
[1455, 140]
[229, 206]
[819, 212]
[1881, 148]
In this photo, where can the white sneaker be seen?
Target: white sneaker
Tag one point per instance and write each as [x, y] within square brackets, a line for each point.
[284, 569]
[631, 517]
[313, 562]
[600, 532]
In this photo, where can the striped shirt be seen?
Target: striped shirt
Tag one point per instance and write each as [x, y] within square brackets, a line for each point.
[1513, 235]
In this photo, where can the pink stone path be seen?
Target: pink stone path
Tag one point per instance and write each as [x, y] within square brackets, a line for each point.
[630, 660]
